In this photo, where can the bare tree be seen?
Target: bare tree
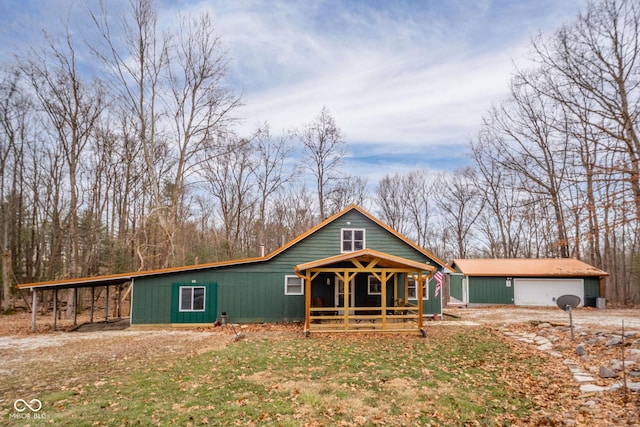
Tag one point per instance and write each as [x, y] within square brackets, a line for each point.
[324, 146]
[461, 206]
[273, 170]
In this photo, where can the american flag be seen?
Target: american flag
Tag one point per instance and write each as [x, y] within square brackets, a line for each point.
[438, 277]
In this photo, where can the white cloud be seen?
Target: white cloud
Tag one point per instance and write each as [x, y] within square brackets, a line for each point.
[414, 77]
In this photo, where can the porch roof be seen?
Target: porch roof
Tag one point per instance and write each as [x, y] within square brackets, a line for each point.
[367, 258]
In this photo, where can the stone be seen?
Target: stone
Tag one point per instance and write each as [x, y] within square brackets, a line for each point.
[591, 388]
[634, 374]
[544, 325]
[583, 377]
[590, 404]
[580, 350]
[605, 372]
[615, 365]
[613, 341]
[545, 347]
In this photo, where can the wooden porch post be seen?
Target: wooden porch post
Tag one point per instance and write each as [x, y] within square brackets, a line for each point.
[34, 309]
[420, 302]
[307, 301]
[347, 296]
[55, 308]
[383, 300]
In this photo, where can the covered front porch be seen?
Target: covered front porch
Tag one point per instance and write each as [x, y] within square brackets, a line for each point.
[365, 290]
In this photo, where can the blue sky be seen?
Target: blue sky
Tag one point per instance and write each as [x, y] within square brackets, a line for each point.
[407, 81]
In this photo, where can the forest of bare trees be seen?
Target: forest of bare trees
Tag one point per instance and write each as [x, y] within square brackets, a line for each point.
[136, 163]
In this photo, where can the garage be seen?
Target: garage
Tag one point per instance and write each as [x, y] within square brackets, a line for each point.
[533, 282]
[543, 292]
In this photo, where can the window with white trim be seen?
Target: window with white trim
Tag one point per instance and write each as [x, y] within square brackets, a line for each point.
[352, 239]
[375, 287]
[293, 285]
[192, 298]
[413, 289]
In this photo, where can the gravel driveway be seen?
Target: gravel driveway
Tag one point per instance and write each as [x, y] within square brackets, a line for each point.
[609, 318]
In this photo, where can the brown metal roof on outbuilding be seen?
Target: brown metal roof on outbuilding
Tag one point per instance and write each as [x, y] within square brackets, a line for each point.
[521, 267]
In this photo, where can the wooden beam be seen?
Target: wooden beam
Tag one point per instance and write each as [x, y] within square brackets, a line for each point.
[34, 309]
[106, 307]
[307, 302]
[93, 297]
[364, 270]
[75, 306]
[55, 308]
[383, 299]
[420, 290]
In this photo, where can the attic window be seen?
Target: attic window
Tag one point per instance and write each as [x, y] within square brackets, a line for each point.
[352, 239]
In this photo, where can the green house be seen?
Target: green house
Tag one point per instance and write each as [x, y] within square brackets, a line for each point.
[351, 272]
[524, 282]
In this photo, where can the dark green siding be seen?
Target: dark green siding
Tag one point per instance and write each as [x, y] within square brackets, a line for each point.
[455, 286]
[591, 287]
[151, 304]
[254, 292]
[490, 290]
[211, 304]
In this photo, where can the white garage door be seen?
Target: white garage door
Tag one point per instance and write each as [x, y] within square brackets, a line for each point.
[541, 292]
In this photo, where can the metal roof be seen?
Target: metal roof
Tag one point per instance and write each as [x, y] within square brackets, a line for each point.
[529, 267]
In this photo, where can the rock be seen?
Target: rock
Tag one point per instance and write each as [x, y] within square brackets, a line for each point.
[590, 404]
[634, 357]
[613, 341]
[583, 377]
[545, 347]
[616, 365]
[544, 325]
[591, 388]
[580, 350]
[634, 374]
[605, 372]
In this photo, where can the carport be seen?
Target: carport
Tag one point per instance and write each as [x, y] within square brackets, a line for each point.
[107, 282]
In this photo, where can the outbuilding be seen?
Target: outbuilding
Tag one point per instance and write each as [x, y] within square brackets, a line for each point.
[525, 282]
[352, 272]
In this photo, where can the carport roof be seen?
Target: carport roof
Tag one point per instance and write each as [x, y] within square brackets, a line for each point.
[527, 267]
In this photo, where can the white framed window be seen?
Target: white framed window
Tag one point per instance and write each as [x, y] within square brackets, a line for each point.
[352, 239]
[293, 285]
[413, 289]
[375, 287]
[192, 298]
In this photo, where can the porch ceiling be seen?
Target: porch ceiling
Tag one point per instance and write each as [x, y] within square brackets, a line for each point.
[367, 257]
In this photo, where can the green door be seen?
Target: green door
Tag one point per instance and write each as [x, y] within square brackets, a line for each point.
[194, 302]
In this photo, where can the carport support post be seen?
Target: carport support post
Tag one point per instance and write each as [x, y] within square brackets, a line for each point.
[106, 307]
[55, 308]
[93, 297]
[75, 306]
[34, 308]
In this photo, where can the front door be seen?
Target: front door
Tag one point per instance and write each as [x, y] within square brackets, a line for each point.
[339, 295]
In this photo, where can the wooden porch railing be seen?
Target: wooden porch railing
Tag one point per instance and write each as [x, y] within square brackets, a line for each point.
[390, 319]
